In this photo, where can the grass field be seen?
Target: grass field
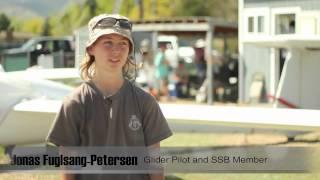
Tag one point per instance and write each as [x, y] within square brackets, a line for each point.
[209, 139]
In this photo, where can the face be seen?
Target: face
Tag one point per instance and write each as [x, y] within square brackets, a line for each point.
[110, 52]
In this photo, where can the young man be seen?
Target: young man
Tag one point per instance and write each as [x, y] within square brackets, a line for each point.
[107, 109]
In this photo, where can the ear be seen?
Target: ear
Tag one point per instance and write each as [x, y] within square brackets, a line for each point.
[90, 51]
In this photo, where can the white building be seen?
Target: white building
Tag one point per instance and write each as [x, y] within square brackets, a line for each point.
[279, 47]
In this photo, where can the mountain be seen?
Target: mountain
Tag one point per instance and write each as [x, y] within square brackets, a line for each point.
[32, 8]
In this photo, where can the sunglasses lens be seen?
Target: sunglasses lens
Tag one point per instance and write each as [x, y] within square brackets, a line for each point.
[124, 24]
[107, 22]
[110, 22]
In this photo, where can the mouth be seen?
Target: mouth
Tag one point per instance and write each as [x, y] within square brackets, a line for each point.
[114, 60]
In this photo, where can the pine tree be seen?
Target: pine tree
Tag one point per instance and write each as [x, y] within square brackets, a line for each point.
[4, 22]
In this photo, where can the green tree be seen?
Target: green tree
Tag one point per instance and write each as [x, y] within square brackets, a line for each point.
[92, 5]
[104, 6]
[192, 8]
[152, 9]
[78, 15]
[85, 16]
[68, 21]
[226, 9]
[33, 25]
[4, 22]
[46, 28]
[75, 16]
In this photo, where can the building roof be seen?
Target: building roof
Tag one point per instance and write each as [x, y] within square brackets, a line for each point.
[181, 25]
[185, 24]
[287, 41]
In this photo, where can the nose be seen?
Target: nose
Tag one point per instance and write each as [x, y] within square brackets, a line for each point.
[116, 50]
[116, 47]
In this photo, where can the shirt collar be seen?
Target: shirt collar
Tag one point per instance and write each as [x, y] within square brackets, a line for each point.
[112, 97]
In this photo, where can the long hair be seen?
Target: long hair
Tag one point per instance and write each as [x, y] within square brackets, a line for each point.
[87, 67]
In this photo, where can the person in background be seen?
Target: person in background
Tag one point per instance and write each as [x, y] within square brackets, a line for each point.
[147, 69]
[162, 71]
[200, 61]
[108, 109]
[181, 80]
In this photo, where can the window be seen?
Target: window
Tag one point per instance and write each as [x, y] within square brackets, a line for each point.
[260, 24]
[256, 24]
[250, 24]
[44, 46]
[285, 24]
[62, 45]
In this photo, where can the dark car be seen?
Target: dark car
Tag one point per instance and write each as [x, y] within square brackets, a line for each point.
[48, 52]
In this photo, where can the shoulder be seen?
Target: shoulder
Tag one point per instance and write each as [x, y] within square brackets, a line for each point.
[79, 95]
[143, 96]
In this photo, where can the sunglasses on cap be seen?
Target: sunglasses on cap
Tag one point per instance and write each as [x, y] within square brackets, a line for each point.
[111, 22]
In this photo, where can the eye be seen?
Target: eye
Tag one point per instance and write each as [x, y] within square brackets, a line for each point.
[123, 43]
[108, 43]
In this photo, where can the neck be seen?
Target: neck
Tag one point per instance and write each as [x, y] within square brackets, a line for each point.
[108, 83]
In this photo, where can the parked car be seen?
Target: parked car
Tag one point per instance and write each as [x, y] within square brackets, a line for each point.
[48, 52]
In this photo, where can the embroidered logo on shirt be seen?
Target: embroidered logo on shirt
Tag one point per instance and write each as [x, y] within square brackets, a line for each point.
[134, 123]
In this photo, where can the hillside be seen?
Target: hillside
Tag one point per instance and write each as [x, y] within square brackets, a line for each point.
[32, 8]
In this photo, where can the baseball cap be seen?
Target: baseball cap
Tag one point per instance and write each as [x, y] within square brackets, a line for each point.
[109, 24]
